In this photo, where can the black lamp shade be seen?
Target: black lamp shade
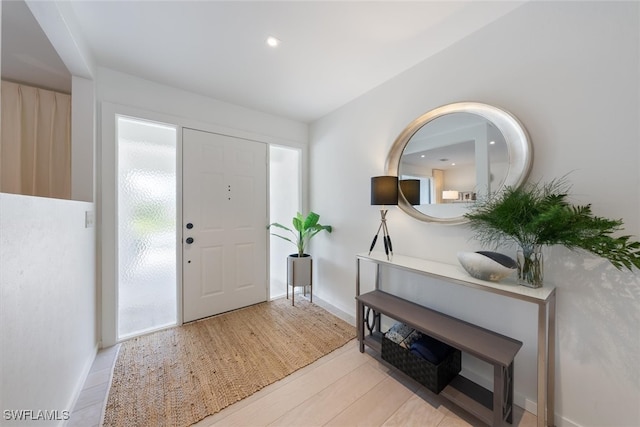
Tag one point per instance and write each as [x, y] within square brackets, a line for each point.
[384, 190]
[411, 190]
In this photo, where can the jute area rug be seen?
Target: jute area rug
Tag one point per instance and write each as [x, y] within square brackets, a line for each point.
[181, 375]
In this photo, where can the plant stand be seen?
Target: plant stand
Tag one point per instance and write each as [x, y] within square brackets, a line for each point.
[299, 273]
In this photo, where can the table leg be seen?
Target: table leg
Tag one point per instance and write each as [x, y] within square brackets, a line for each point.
[542, 364]
[357, 276]
[551, 362]
[498, 395]
[360, 324]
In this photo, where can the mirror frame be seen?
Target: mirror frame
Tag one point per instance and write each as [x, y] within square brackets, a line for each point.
[515, 135]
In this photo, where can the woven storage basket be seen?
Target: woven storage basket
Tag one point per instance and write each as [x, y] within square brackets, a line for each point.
[433, 377]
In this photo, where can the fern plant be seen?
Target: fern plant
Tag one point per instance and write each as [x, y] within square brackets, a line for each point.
[537, 214]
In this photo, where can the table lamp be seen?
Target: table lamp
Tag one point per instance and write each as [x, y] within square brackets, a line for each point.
[384, 191]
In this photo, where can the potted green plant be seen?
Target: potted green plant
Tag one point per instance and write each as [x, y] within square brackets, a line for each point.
[538, 214]
[300, 264]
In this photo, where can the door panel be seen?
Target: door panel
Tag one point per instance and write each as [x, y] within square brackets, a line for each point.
[212, 268]
[225, 198]
[212, 212]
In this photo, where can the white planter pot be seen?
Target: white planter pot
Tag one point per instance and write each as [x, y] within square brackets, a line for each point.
[299, 270]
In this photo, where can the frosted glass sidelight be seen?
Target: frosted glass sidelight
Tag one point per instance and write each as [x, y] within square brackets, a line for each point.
[284, 202]
[146, 226]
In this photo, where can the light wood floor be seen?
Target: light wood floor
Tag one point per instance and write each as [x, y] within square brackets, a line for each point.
[348, 388]
[344, 388]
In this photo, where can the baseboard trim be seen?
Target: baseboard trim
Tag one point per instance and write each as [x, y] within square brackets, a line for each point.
[522, 401]
[336, 311]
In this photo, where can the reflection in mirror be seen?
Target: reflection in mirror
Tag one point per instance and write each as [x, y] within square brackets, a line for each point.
[410, 190]
[459, 152]
[457, 157]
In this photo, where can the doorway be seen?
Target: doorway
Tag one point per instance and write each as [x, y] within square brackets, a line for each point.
[146, 226]
[117, 254]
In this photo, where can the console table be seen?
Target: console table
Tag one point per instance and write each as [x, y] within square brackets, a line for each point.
[544, 298]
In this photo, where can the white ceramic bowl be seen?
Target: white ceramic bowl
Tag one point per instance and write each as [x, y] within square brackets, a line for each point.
[485, 265]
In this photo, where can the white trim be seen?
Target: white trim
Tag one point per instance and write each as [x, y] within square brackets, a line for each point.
[179, 228]
[267, 215]
[107, 225]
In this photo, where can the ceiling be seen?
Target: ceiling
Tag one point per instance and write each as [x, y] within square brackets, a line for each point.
[27, 54]
[330, 53]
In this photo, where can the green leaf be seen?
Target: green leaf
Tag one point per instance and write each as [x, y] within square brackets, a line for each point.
[311, 220]
[275, 224]
[540, 214]
[305, 228]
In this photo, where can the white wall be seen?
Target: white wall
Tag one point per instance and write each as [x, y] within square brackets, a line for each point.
[569, 71]
[57, 20]
[47, 303]
[83, 123]
[130, 91]
[48, 325]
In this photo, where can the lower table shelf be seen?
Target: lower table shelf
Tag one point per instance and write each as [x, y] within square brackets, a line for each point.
[494, 408]
[461, 391]
[476, 399]
[374, 342]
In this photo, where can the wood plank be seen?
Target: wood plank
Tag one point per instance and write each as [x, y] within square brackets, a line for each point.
[281, 400]
[329, 403]
[482, 343]
[375, 407]
[415, 412]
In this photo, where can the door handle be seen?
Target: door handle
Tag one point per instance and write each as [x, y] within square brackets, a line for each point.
[189, 240]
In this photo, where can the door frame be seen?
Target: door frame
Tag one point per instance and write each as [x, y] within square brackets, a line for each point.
[106, 203]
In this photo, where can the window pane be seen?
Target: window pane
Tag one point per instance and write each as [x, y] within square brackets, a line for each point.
[284, 202]
[146, 226]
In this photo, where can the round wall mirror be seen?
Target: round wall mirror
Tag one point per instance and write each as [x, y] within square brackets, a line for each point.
[458, 153]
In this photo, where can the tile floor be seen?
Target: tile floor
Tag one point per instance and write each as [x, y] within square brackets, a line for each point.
[88, 409]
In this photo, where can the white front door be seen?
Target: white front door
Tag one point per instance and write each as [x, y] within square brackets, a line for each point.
[224, 223]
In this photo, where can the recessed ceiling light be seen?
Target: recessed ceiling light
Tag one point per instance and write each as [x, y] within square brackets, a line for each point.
[272, 41]
[492, 142]
[453, 164]
[422, 156]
